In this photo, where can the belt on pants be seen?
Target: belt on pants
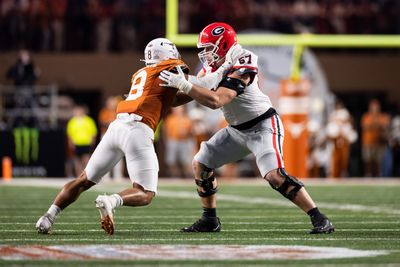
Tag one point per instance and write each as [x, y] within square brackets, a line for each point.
[249, 124]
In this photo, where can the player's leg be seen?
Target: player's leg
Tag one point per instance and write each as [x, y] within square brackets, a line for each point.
[267, 147]
[206, 188]
[294, 190]
[220, 149]
[135, 196]
[69, 193]
[72, 190]
[142, 164]
[102, 160]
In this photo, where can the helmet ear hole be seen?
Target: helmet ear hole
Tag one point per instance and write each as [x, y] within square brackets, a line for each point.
[224, 46]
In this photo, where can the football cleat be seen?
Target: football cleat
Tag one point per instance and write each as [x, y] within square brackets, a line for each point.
[322, 225]
[44, 224]
[103, 204]
[204, 224]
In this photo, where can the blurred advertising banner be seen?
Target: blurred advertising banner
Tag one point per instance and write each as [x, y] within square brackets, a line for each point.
[34, 152]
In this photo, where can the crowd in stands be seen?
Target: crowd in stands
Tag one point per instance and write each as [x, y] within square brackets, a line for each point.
[124, 25]
[331, 144]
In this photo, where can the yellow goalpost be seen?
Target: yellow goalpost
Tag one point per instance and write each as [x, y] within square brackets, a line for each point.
[299, 41]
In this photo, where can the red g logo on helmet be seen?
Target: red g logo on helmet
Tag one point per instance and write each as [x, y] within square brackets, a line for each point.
[218, 31]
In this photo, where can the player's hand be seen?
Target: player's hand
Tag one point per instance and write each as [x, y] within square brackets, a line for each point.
[175, 80]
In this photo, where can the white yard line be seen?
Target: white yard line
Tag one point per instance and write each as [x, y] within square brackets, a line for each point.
[127, 222]
[237, 219]
[225, 230]
[282, 203]
[365, 181]
[232, 198]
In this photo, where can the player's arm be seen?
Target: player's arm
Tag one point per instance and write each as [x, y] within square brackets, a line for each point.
[226, 89]
[230, 87]
[181, 99]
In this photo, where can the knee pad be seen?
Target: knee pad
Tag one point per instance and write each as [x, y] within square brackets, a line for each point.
[289, 181]
[206, 183]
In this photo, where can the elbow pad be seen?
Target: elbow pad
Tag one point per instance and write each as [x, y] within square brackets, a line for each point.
[234, 84]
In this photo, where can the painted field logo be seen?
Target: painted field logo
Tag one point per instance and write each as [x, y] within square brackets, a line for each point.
[180, 252]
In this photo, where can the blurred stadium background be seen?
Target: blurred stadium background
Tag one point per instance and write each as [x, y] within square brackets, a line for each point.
[59, 57]
[330, 67]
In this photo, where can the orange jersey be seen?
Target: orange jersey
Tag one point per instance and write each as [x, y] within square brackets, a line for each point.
[146, 97]
[374, 128]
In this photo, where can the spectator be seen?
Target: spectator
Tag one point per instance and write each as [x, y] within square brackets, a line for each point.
[341, 134]
[199, 127]
[395, 146]
[319, 150]
[105, 10]
[57, 10]
[23, 72]
[375, 126]
[108, 113]
[81, 132]
[179, 143]
[24, 75]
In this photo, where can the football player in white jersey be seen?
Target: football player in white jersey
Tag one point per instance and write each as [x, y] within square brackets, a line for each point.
[254, 125]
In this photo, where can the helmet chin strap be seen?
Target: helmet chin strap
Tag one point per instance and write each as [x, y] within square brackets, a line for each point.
[218, 63]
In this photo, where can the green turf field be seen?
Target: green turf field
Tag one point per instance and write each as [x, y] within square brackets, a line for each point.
[367, 217]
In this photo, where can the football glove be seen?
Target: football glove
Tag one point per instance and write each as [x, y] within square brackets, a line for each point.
[175, 80]
[211, 80]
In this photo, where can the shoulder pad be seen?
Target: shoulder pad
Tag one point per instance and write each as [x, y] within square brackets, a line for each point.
[247, 60]
[172, 63]
[247, 63]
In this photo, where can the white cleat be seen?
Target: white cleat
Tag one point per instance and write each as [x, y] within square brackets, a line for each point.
[44, 224]
[103, 204]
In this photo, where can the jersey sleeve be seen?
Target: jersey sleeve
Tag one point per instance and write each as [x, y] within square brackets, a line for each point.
[173, 64]
[247, 63]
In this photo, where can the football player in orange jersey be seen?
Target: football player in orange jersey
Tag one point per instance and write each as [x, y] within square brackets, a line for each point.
[130, 135]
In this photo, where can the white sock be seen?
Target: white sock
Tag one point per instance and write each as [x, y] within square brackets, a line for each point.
[116, 200]
[54, 211]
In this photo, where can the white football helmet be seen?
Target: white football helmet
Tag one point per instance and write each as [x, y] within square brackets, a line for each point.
[160, 49]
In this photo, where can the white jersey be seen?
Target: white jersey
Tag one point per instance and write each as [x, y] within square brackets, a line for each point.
[250, 104]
